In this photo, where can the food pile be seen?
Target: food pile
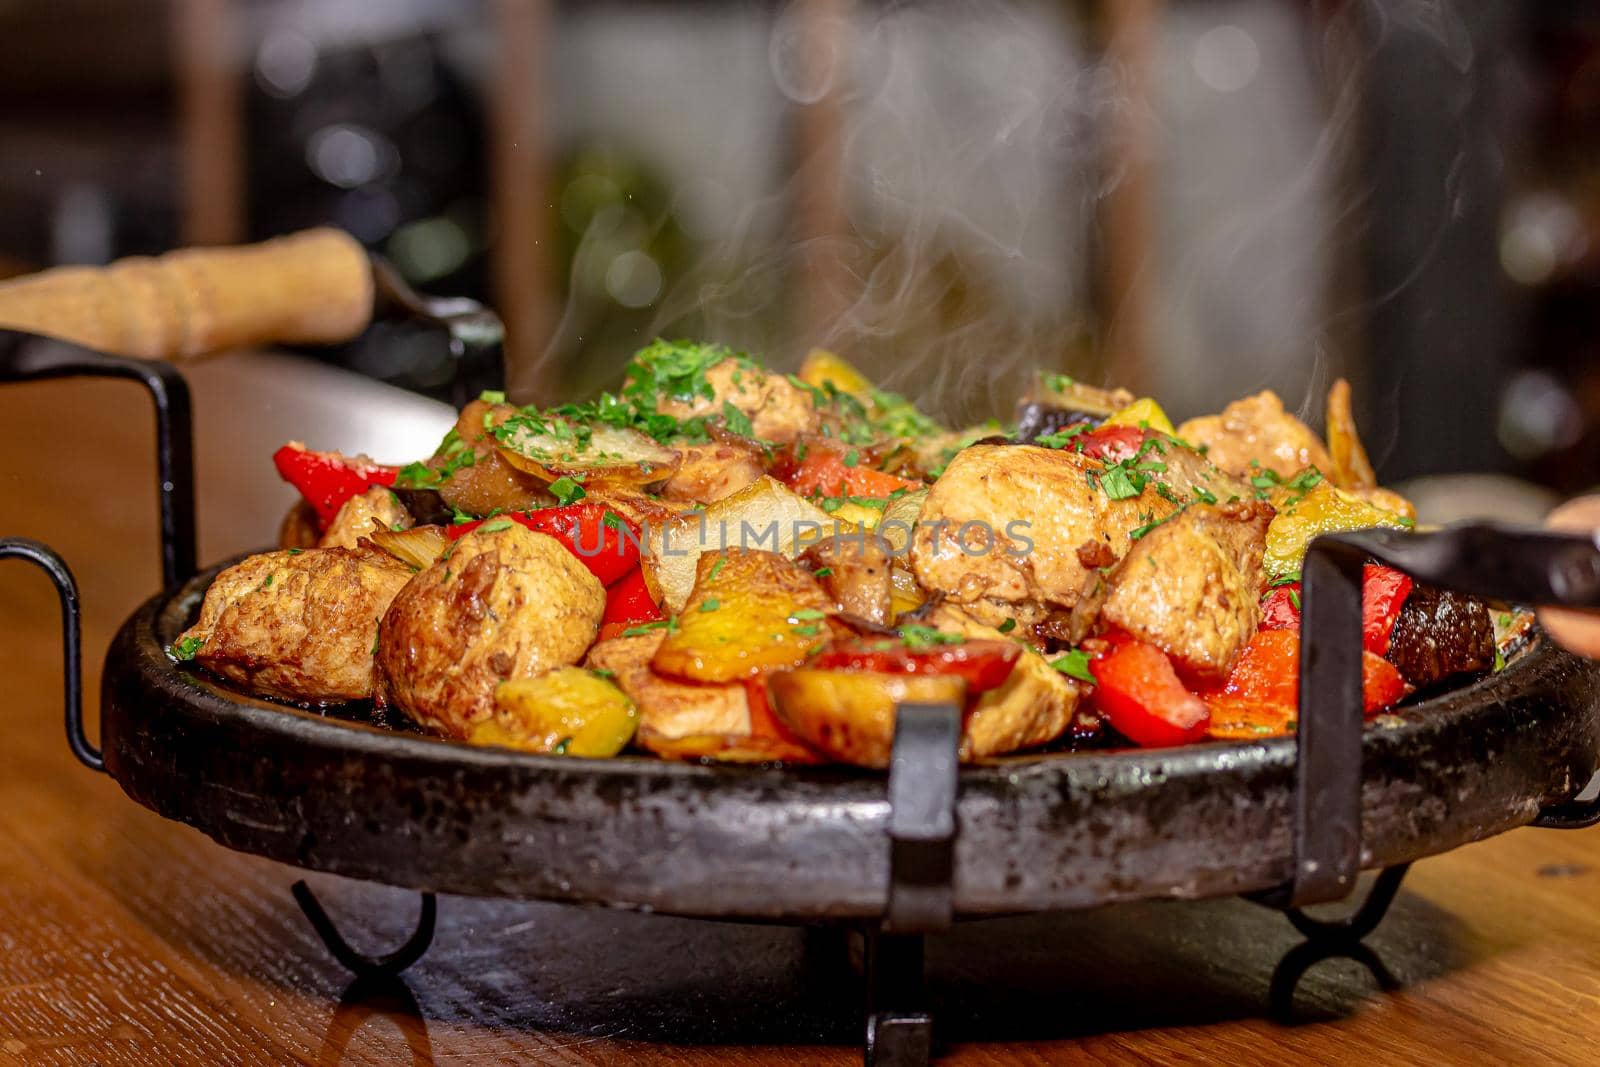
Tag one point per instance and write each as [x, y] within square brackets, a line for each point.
[723, 562]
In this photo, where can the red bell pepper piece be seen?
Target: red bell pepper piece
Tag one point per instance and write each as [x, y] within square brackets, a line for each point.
[604, 541]
[1383, 594]
[1142, 697]
[628, 604]
[328, 479]
[1280, 608]
[1267, 676]
[983, 664]
[824, 472]
[1111, 444]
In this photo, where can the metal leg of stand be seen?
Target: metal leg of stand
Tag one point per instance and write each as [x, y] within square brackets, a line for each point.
[1363, 921]
[360, 964]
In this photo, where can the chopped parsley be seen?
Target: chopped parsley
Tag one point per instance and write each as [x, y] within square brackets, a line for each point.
[916, 637]
[186, 648]
[295, 551]
[805, 614]
[1061, 438]
[567, 491]
[716, 568]
[605, 673]
[611, 519]
[710, 603]
[492, 396]
[736, 421]
[1075, 664]
[1007, 626]
[1205, 496]
[268, 583]
[561, 747]
[823, 572]
[1294, 598]
[377, 635]
[659, 624]
[1285, 579]
[496, 526]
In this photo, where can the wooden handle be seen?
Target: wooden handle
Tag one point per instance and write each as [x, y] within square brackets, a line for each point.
[313, 287]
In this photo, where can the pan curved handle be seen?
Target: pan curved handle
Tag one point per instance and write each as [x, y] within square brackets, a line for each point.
[71, 640]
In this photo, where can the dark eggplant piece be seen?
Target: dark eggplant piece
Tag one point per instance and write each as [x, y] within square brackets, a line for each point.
[1034, 420]
[426, 506]
[1441, 636]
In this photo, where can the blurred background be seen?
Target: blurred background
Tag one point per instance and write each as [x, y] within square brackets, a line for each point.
[1194, 198]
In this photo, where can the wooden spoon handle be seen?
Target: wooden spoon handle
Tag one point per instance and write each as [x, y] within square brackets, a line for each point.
[313, 287]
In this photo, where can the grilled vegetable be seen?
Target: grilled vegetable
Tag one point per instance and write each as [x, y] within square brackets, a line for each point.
[751, 611]
[1305, 514]
[849, 715]
[568, 711]
[1351, 468]
[601, 539]
[1440, 635]
[328, 479]
[552, 447]
[417, 547]
[1142, 697]
[628, 604]
[1262, 694]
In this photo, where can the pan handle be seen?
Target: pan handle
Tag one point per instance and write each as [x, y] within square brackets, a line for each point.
[71, 640]
[1492, 560]
[313, 287]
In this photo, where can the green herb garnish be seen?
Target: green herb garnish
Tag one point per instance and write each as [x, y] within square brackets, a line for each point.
[710, 603]
[1075, 664]
[1007, 626]
[186, 648]
[496, 526]
[566, 491]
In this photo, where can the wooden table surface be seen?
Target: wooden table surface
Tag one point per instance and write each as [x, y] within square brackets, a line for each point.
[125, 939]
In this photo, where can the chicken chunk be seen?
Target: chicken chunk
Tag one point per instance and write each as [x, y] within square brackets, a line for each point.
[377, 508]
[779, 411]
[1035, 706]
[669, 708]
[855, 573]
[299, 625]
[713, 471]
[504, 602]
[1002, 532]
[1257, 430]
[1191, 586]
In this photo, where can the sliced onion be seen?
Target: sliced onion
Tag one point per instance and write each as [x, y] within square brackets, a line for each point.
[418, 547]
[552, 448]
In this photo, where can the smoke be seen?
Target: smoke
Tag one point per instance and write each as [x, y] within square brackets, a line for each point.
[922, 187]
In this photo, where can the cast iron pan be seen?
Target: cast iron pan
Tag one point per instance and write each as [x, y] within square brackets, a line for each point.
[1041, 833]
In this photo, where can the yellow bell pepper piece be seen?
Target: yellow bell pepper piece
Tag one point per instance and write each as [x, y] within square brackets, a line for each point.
[1143, 412]
[1304, 516]
[821, 368]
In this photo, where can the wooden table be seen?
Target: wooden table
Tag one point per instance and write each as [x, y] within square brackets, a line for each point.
[125, 939]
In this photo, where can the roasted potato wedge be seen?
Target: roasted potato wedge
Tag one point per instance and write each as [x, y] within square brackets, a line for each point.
[569, 711]
[849, 715]
[765, 515]
[692, 720]
[751, 611]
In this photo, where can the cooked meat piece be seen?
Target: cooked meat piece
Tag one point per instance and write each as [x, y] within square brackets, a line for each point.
[715, 470]
[1035, 706]
[377, 508]
[298, 625]
[1439, 635]
[778, 410]
[299, 527]
[1191, 586]
[669, 708]
[1257, 429]
[504, 602]
[855, 574]
[487, 482]
[1022, 513]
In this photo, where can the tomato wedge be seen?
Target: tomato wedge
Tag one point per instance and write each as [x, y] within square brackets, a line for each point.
[1112, 444]
[602, 540]
[824, 472]
[1142, 697]
[328, 479]
[983, 664]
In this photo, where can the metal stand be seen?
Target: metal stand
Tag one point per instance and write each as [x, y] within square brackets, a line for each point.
[369, 968]
[922, 829]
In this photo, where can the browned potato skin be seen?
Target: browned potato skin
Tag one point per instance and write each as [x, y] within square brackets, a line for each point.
[850, 715]
[1257, 429]
[307, 636]
[858, 577]
[754, 595]
[503, 603]
[490, 482]
[377, 507]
